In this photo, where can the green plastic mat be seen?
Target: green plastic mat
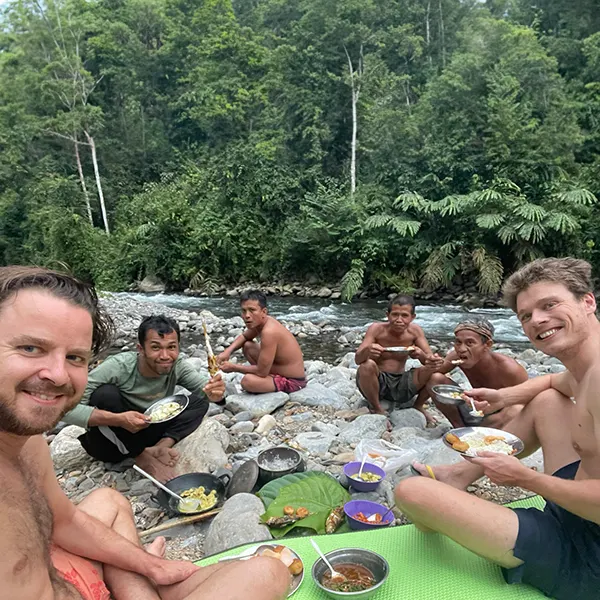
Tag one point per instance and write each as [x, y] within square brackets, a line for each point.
[422, 566]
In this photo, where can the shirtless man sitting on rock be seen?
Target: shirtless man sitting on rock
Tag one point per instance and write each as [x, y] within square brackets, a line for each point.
[473, 341]
[276, 363]
[381, 373]
[556, 550]
[50, 325]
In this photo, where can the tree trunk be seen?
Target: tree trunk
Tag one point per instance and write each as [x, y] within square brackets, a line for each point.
[355, 89]
[90, 140]
[427, 32]
[442, 35]
[82, 181]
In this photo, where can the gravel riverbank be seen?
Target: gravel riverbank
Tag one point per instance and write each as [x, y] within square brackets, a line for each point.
[325, 421]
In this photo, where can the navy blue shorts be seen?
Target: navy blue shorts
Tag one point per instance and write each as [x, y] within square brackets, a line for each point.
[560, 551]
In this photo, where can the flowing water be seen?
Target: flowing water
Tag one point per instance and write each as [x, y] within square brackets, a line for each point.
[437, 321]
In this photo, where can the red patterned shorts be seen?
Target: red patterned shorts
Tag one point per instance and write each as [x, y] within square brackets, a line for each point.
[80, 573]
[288, 384]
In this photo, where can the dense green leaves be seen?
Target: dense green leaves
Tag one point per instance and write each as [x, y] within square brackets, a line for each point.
[222, 136]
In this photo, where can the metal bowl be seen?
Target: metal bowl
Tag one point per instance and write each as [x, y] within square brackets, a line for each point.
[358, 556]
[279, 453]
[509, 438]
[442, 394]
[181, 399]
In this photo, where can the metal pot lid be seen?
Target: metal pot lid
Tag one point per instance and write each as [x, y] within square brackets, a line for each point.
[244, 479]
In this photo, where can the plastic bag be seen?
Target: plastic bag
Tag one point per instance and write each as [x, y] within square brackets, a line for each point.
[389, 457]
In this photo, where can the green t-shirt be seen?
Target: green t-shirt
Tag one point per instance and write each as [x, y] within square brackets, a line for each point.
[141, 392]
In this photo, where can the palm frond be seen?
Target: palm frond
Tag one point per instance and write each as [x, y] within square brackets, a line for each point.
[377, 221]
[353, 279]
[489, 221]
[578, 196]
[531, 212]
[403, 226]
[412, 200]
[507, 234]
[532, 232]
[451, 205]
[490, 270]
[525, 252]
[487, 196]
[441, 266]
[562, 222]
[144, 229]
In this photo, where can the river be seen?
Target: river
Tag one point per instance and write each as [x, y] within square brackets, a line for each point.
[437, 321]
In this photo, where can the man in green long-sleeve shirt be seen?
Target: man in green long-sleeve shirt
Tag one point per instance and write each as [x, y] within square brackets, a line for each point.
[121, 388]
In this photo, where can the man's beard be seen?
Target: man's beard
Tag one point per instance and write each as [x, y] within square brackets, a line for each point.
[41, 418]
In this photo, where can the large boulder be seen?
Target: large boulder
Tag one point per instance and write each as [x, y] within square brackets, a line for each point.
[66, 450]
[203, 451]
[238, 523]
[365, 427]
[150, 285]
[257, 404]
[407, 417]
[316, 394]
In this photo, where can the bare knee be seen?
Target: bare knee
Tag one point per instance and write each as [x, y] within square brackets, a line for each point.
[412, 491]
[549, 400]
[368, 369]
[274, 573]
[105, 497]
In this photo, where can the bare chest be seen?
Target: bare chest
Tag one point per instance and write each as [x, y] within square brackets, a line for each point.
[26, 521]
[583, 434]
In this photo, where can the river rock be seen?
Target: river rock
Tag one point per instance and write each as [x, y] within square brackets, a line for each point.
[365, 427]
[257, 404]
[349, 361]
[237, 523]
[314, 442]
[245, 415]
[266, 423]
[324, 292]
[407, 417]
[327, 428]
[203, 450]
[316, 394]
[66, 450]
[242, 427]
[150, 285]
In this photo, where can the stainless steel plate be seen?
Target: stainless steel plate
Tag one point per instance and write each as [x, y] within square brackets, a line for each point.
[250, 552]
[509, 438]
[442, 394]
[181, 399]
[400, 349]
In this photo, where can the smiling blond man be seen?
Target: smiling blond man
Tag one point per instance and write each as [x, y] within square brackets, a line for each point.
[556, 550]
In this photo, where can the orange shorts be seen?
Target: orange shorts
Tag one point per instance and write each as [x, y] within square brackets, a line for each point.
[80, 573]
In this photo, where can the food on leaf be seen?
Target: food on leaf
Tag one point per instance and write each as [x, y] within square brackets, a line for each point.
[335, 519]
[288, 510]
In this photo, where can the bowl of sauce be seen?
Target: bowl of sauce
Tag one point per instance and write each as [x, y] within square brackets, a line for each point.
[365, 572]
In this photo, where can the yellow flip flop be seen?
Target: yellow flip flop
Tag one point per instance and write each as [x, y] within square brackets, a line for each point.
[429, 472]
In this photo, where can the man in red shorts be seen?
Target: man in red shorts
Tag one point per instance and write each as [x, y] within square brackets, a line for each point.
[50, 326]
[276, 363]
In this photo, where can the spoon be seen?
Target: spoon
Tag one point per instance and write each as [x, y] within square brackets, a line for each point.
[335, 575]
[185, 504]
[474, 412]
[362, 464]
[372, 519]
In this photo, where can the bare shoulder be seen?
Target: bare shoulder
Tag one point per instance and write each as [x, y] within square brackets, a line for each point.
[511, 368]
[36, 456]
[376, 329]
[273, 328]
[415, 330]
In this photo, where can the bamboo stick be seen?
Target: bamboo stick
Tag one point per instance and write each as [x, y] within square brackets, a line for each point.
[182, 521]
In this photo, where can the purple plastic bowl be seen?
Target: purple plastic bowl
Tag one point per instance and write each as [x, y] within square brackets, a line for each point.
[367, 508]
[353, 468]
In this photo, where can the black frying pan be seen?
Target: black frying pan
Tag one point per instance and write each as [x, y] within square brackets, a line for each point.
[193, 480]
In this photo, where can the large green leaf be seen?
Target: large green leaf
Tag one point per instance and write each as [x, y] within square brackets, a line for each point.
[269, 491]
[319, 493]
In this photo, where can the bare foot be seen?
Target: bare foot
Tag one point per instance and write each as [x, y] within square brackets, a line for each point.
[157, 547]
[430, 420]
[459, 475]
[158, 462]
